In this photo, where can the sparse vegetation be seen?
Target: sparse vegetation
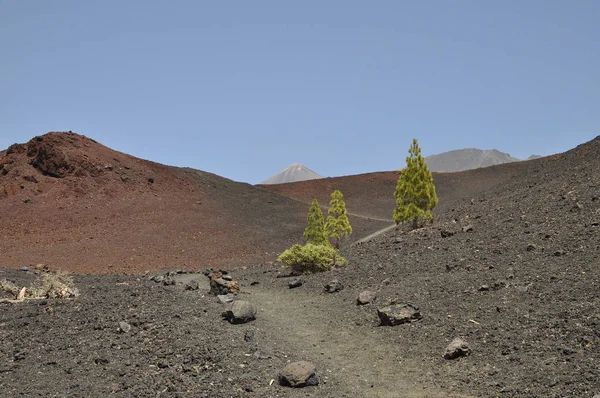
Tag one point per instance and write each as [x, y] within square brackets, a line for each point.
[315, 228]
[47, 285]
[337, 225]
[317, 254]
[311, 258]
[9, 287]
[57, 284]
[415, 193]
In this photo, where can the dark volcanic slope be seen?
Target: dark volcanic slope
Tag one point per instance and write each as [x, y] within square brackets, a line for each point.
[522, 286]
[74, 204]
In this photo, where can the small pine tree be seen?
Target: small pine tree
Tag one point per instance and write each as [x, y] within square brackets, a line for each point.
[415, 192]
[315, 229]
[337, 225]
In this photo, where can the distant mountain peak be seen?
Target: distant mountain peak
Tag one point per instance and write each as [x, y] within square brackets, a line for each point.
[293, 173]
[466, 159]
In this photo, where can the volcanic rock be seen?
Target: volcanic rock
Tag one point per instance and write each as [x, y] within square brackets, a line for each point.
[220, 286]
[334, 286]
[226, 298]
[124, 327]
[366, 297]
[397, 314]
[240, 312]
[457, 348]
[192, 285]
[297, 282]
[298, 374]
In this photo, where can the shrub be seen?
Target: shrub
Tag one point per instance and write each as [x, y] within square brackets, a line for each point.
[311, 258]
[53, 285]
[9, 287]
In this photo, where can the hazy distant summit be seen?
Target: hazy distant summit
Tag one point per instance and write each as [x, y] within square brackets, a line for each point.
[294, 172]
[466, 159]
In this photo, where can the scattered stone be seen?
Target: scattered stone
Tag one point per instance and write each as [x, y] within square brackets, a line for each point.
[457, 348]
[484, 288]
[568, 351]
[366, 297]
[397, 314]
[157, 278]
[446, 234]
[249, 336]
[162, 365]
[219, 285]
[25, 269]
[261, 355]
[226, 298]
[299, 374]
[295, 283]
[468, 228]
[254, 283]
[241, 312]
[168, 281]
[227, 277]
[559, 252]
[124, 327]
[192, 285]
[531, 247]
[334, 286]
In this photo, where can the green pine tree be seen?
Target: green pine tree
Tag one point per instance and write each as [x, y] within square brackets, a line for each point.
[337, 225]
[415, 192]
[315, 229]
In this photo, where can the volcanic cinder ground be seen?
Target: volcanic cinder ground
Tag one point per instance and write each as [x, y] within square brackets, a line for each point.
[511, 265]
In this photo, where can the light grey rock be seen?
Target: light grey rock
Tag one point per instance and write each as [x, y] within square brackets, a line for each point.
[397, 314]
[457, 348]
[297, 282]
[366, 297]
[299, 374]
[192, 285]
[226, 298]
[124, 327]
[334, 286]
[240, 312]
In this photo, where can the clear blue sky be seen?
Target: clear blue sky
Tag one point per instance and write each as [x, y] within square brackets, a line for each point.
[245, 88]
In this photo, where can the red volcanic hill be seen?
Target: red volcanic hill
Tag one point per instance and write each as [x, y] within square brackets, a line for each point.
[74, 204]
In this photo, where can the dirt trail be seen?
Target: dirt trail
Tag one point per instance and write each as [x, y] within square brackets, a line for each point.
[351, 363]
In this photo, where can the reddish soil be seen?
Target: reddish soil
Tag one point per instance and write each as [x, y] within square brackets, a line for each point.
[74, 204]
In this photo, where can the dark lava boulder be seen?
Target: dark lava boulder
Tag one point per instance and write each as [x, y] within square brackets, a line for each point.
[397, 314]
[299, 374]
